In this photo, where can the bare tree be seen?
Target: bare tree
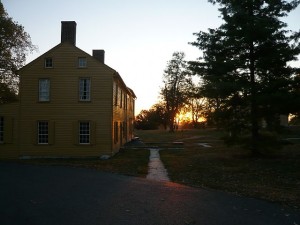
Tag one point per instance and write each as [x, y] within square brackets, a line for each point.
[174, 93]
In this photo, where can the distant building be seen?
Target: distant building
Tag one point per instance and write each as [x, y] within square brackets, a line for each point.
[70, 105]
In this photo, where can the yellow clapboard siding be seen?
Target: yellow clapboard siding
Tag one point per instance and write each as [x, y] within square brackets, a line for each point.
[10, 114]
[65, 109]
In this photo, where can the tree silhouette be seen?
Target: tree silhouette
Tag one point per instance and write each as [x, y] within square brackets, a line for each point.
[174, 93]
[245, 62]
[15, 43]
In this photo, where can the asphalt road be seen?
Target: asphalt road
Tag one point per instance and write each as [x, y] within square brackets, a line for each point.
[52, 195]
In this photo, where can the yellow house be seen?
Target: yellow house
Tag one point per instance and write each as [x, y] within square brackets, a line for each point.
[70, 105]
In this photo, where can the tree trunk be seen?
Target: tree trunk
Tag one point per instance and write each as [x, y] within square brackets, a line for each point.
[254, 120]
[171, 123]
[171, 126]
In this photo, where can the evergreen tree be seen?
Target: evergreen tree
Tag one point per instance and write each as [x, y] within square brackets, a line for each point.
[245, 61]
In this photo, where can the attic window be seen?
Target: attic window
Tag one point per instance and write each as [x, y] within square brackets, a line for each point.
[48, 63]
[82, 62]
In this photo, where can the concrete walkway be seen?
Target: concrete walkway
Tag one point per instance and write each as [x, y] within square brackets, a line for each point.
[156, 169]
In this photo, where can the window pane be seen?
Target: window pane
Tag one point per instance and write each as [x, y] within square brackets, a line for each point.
[48, 63]
[84, 132]
[81, 62]
[44, 90]
[116, 95]
[121, 98]
[1, 129]
[84, 89]
[43, 132]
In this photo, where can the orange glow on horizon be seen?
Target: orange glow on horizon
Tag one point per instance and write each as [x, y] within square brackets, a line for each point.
[187, 117]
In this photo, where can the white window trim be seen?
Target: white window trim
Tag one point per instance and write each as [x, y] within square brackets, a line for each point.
[39, 134]
[86, 135]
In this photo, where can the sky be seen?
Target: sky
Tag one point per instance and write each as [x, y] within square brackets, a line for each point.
[138, 36]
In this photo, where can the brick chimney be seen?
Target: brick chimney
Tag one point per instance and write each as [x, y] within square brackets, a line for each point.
[68, 32]
[99, 54]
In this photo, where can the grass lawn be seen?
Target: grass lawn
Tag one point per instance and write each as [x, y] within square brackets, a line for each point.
[274, 177]
[133, 162]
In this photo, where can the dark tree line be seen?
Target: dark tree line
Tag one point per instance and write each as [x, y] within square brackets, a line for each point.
[153, 118]
[245, 70]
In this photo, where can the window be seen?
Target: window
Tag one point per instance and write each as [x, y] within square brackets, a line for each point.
[82, 62]
[124, 129]
[43, 133]
[44, 90]
[1, 129]
[130, 126]
[116, 132]
[124, 100]
[85, 89]
[116, 95]
[121, 98]
[48, 63]
[84, 132]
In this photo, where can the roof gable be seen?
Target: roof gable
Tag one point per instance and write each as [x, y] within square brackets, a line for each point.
[59, 51]
[66, 49]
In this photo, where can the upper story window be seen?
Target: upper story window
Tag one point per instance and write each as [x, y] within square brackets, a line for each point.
[82, 63]
[121, 98]
[48, 63]
[44, 90]
[1, 129]
[116, 95]
[125, 101]
[84, 89]
[43, 133]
